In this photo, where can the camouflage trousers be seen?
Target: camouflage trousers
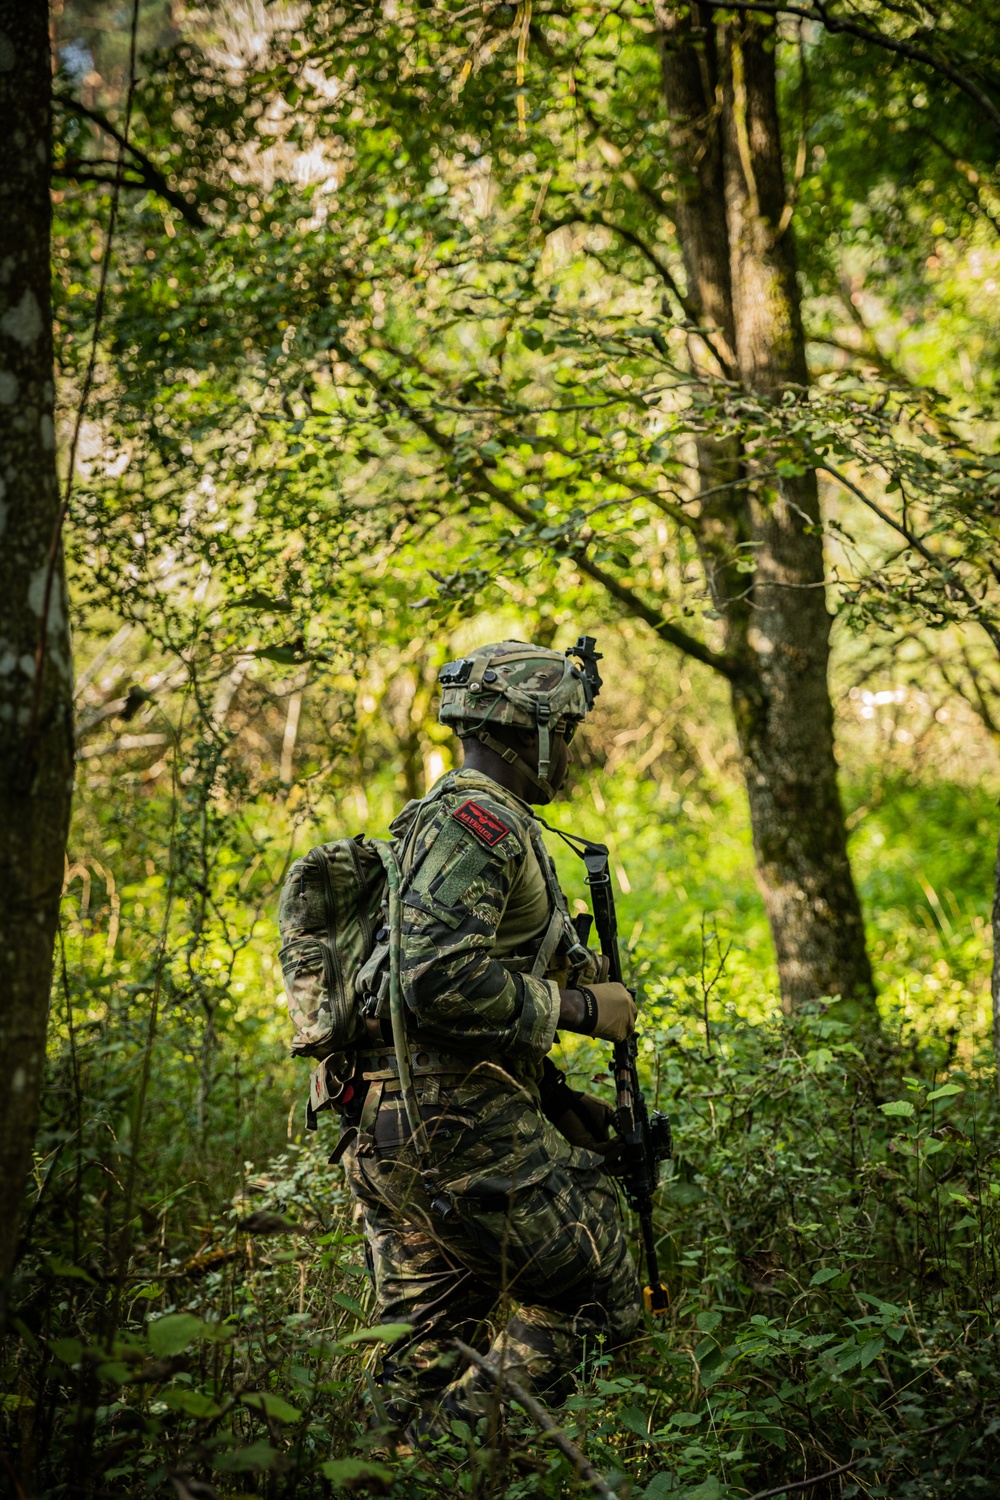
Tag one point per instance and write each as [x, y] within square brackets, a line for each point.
[503, 1235]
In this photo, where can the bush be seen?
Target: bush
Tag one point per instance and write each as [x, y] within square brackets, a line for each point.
[828, 1232]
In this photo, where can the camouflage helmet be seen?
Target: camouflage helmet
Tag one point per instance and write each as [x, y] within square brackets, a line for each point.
[513, 682]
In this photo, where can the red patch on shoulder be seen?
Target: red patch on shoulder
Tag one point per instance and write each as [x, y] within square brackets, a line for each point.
[483, 823]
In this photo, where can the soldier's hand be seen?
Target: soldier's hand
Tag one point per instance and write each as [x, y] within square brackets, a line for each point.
[602, 1010]
[587, 1122]
[616, 1011]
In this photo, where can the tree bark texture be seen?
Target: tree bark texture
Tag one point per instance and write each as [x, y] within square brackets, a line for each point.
[995, 974]
[36, 738]
[719, 84]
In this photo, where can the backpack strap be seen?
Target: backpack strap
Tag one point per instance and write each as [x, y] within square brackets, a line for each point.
[397, 1007]
[548, 945]
[560, 926]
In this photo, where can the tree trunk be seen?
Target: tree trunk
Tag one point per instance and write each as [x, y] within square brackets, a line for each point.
[719, 83]
[36, 739]
[995, 975]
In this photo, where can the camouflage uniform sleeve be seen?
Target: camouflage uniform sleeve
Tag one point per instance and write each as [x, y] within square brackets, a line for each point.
[465, 860]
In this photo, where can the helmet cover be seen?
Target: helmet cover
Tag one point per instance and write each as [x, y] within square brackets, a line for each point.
[513, 682]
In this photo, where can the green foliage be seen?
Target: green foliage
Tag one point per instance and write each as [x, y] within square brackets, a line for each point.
[424, 371]
[828, 1227]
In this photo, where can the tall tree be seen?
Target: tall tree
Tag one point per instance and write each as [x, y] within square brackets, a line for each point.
[735, 232]
[543, 258]
[36, 737]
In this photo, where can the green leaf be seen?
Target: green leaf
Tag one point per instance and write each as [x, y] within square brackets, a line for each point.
[254, 1456]
[709, 1490]
[70, 1351]
[871, 1351]
[533, 338]
[342, 1299]
[707, 1352]
[946, 1092]
[354, 1471]
[194, 1403]
[708, 1320]
[887, 1309]
[660, 1487]
[66, 1268]
[826, 1274]
[632, 1418]
[898, 1107]
[685, 1419]
[272, 1406]
[172, 1334]
[384, 1333]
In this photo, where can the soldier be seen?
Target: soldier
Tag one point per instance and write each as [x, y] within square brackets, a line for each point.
[509, 1206]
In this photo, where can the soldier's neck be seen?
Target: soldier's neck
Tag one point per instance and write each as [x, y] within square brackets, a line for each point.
[487, 762]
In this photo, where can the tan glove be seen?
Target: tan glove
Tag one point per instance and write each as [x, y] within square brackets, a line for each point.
[615, 1011]
[587, 1123]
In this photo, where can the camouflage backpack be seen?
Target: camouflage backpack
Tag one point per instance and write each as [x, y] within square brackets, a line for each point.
[330, 914]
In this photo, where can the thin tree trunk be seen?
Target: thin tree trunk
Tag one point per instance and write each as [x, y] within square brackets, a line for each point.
[995, 976]
[36, 737]
[719, 84]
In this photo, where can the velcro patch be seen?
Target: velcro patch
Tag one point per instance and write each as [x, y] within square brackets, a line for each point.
[484, 824]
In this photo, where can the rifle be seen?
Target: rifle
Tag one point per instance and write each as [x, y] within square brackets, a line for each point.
[645, 1137]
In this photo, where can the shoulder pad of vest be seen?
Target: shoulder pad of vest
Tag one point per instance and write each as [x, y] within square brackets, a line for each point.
[487, 819]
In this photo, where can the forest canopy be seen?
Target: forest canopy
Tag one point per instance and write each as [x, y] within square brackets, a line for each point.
[381, 332]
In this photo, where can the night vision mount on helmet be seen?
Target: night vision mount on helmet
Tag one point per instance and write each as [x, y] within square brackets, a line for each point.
[512, 682]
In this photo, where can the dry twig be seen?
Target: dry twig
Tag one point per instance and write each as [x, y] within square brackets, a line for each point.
[536, 1411]
[802, 1484]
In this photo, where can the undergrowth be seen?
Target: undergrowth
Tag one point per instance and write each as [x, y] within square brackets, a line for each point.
[828, 1234]
[192, 1312]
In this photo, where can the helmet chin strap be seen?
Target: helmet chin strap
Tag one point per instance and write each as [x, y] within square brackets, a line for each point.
[543, 714]
[513, 759]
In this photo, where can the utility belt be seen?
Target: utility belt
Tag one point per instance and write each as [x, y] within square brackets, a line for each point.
[382, 1065]
[377, 1075]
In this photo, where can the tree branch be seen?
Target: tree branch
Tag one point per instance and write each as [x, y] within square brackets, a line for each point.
[686, 307]
[615, 158]
[536, 1411]
[147, 170]
[920, 547]
[804, 1484]
[83, 171]
[983, 190]
[480, 480]
[712, 336]
[834, 24]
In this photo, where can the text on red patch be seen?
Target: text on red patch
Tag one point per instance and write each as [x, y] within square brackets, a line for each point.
[483, 823]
